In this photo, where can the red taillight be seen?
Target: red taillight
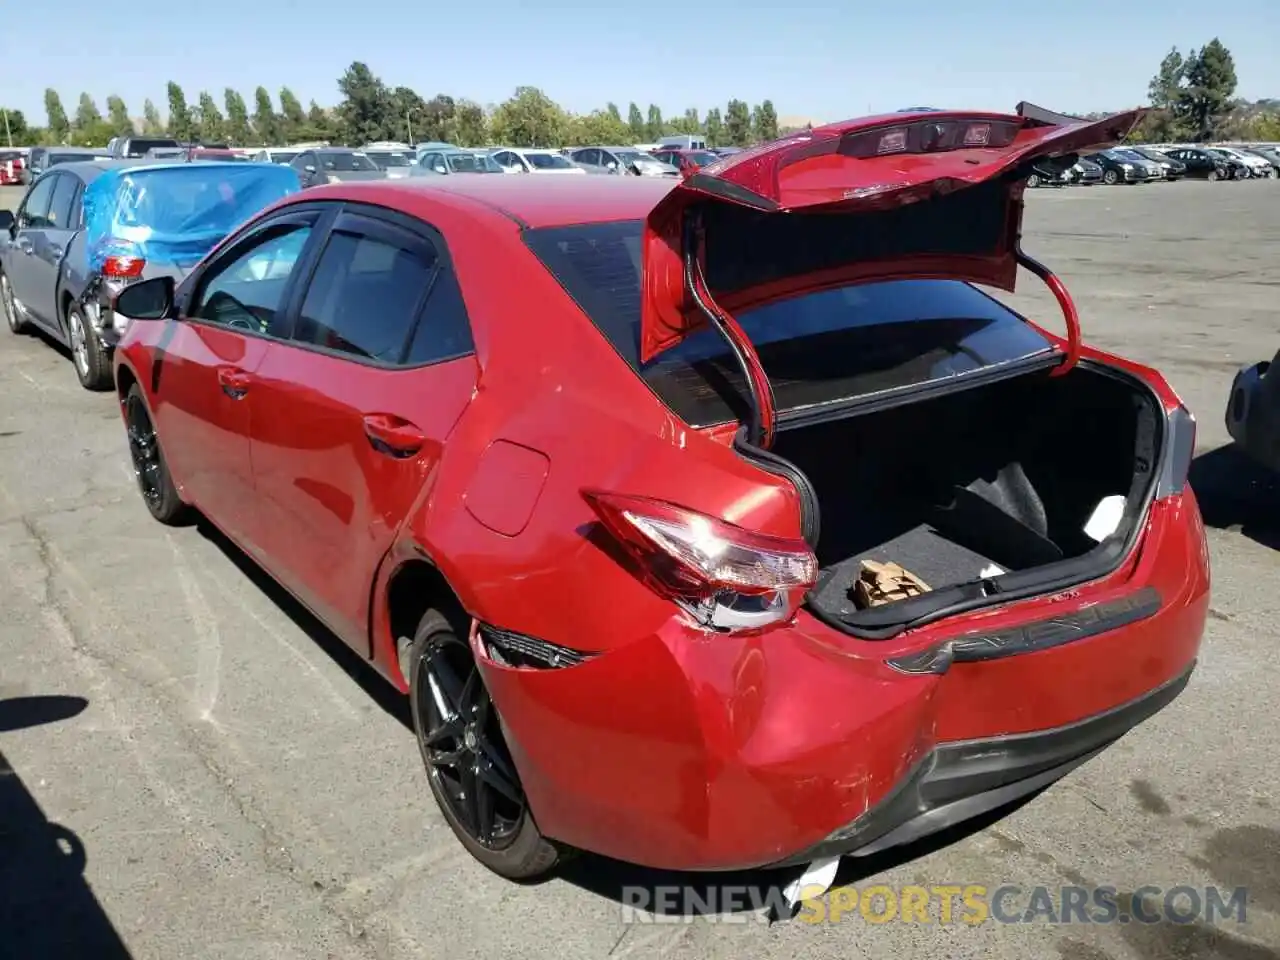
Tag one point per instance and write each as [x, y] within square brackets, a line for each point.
[727, 576]
[123, 267]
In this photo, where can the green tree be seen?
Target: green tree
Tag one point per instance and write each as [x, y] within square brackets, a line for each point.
[118, 117]
[599, 126]
[529, 119]
[152, 125]
[213, 129]
[238, 131]
[13, 128]
[318, 125]
[180, 125]
[1211, 83]
[266, 125]
[715, 128]
[635, 120]
[737, 123]
[439, 120]
[58, 127]
[87, 113]
[473, 125]
[407, 112]
[365, 110]
[654, 128]
[615, 115]
[292, 119]
[766, 122]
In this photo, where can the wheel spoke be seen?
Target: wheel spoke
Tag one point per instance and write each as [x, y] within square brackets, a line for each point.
[484, 811]
[499, 779]
[446, 687]
[470, 808]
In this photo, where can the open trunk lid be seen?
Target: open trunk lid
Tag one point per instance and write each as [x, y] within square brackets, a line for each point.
[791, 216]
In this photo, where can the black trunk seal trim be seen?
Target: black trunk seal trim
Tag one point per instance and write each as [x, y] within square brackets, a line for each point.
[1037, 635]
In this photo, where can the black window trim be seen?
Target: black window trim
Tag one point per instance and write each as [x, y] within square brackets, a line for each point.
[71, 212]
[50, 175]
[250, 236]
[400, 223]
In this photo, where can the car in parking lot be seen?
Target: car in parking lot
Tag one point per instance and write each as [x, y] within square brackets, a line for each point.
[621, 161]
[1118, 167]
[85, 231]
[448, 161]
[610, 522]
[686, 161]
[1203, 165]
[334, 164]
[1173, 168]
[526, 160]
[1086, 172]
[1253, 411]
[1243, 164]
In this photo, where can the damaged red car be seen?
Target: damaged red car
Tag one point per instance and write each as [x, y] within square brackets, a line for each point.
[720, 523]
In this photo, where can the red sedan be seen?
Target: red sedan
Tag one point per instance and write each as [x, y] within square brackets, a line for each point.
[711, 524]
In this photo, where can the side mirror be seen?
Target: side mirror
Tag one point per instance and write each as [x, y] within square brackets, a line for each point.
[6, 221]
[310, 168]
[439, 168]
[611, 165]
[148, 300]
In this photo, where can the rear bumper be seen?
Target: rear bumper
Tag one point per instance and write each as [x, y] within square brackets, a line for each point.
[959, 781]
[680, 750]
[1253, 412]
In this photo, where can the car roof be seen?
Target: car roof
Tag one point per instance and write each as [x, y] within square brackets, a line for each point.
[531, 201]
[90, 170]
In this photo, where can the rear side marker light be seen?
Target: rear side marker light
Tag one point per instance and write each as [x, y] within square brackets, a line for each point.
[977, 135]
[727, 577]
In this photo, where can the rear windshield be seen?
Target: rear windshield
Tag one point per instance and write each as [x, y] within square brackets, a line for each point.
[57, 158]
[385, 160]
[139, 148]
[817, 348]
[548, 161]
[346, 162]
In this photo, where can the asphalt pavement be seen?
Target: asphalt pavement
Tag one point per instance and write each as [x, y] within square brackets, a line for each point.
[192, 768]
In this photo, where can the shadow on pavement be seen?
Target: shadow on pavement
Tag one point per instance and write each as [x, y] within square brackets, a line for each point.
[1235, 491]
[47, 910]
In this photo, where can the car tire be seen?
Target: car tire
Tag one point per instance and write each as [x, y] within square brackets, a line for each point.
[150, 467]
[1213, 176]
[88, 352]
[1033, 180]
[1110, 177]
[440, 661]
[10, 307]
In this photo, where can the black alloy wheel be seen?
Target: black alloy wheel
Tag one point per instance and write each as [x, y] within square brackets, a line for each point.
[149, 467]
[1111, 177]
[469, 766]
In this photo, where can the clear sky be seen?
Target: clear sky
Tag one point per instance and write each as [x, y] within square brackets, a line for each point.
[829, 61]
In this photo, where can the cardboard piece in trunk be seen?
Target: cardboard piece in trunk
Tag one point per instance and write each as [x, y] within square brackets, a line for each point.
[880, 583]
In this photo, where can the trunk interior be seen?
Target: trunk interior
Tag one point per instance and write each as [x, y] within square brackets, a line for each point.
[1005, 474]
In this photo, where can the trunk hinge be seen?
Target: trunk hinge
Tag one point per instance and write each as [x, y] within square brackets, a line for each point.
[763, 417]
[1069, 312]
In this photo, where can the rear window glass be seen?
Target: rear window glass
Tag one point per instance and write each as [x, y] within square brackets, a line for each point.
[818, 347]
[346, 162]
[139, 148]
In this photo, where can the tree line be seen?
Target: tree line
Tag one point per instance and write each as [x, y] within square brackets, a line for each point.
[371, 110]
[1193, 100]
[1192, 96]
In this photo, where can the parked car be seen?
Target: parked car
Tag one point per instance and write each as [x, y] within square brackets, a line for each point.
[1269, 154]
[1203, 165]
[1087, 173]
[445, 162]
[1119, 168]
[334, 164]
[1048, 174]
[42, 158]
[394, 163]
[524, 160]
[610, 543]
[1240, 170]
[135, 148]
[277, 155]
[1173, 168]
[621, 160]
[85, 231]
[686, 161]
[1253, 412]
[13, 168]
[1258, 166]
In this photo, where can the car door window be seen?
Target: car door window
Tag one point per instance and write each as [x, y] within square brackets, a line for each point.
[35, 209]
[60, 206]
[589, 157]
[505, 159]
[247, 292]
[443, 330]
[365, 295]
[435, 162]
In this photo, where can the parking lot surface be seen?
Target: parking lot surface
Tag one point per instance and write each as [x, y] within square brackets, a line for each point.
[220, 779]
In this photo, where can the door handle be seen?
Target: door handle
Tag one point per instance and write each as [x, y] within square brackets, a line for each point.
[392, 435]
[234, 382]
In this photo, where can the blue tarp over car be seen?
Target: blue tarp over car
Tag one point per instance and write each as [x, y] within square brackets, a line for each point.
[173, 214]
